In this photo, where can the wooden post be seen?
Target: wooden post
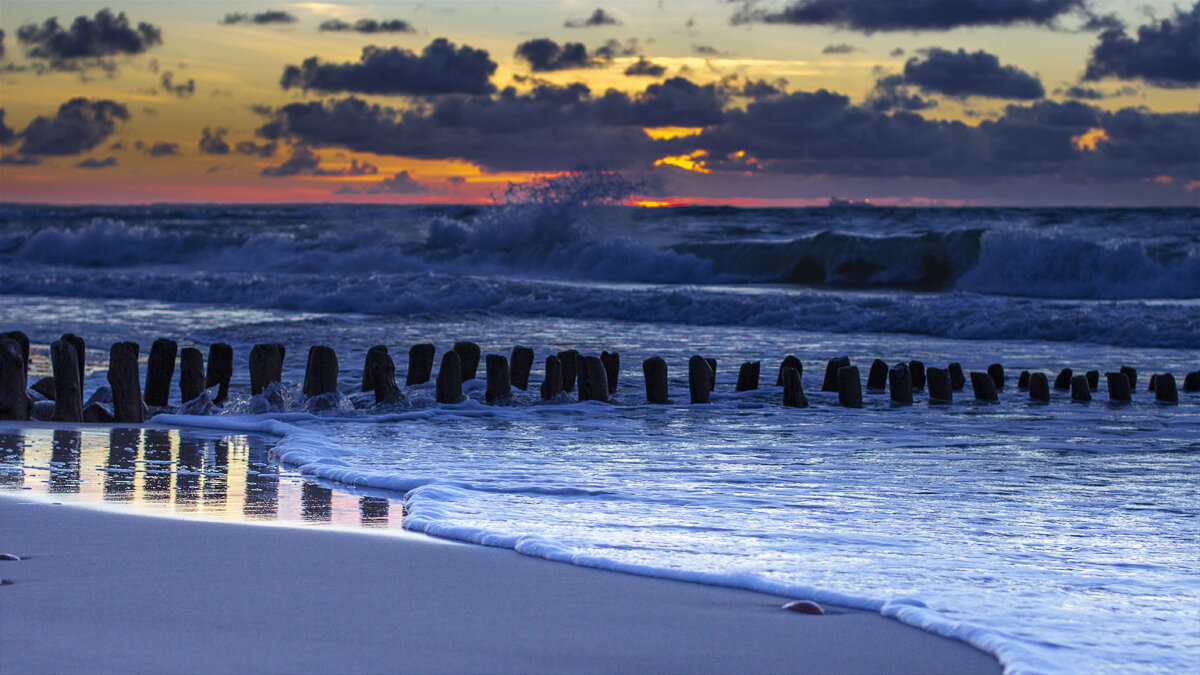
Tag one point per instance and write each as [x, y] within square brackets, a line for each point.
[712, 366]
[593, 380]
[916, 372]
[700, 377]
[996, 371]
[938, 381]
[612, 369]
[1191, 381]
[420, 364]
[191, 374]
[1093, 379]
[22, 341]
[984, 386]
[220, 370]
[160, 370]
[877, 376]
[68, 392]
[498, 385]
[849, 387]
[125, 384]
[655, 371]
[831, 369]
[553, 384]
[77, 343]
[748, 376]
[1039, 388]
[957, 379]
[14, 401]
[569, 360]
[1164, 388]
[449, 378]
[789, 361]
[1118, 387]
[793, 390]
[266, 366]
[1080, 391]
[468, 354]
[900, 384]
[1063, 381]
[320, 377]
[380, 370]
[368, 384]
[1131, 374]
[1023, 380]
[519, 365]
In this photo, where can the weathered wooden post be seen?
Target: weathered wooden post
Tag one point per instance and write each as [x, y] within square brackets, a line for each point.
[449, 378]
[553, 384]
[321, 374]
[877, 376]
[125, 384]
[1118, 387]
[1063, 381]
[68, 392]
[367, 383]
[654, 369]
[160, 370]
[1164, 388]
[700, 377]
[1080, 391]
[266, 366]
[420, 364]
[77, 343]
[1150, 386]
[519, 366]
[22, 341]
[849, 387]
[569, 360]
[612, 369]
[938, 381]
[984, 386]
[1131, 374]
[191, 374]
[499, 387]
[1023, 380]
[468, 354]
[1093, 379]
[593, 380]
[830, 383]
[1039, 388]
[900, 384]
[957, 379]
[789, 361]
[996, 372]
[793, 389]
[1191, 381]
[220, 370]
[916, 371]
[380, 371]
[748, 376]
[712, 365]
[14, 401]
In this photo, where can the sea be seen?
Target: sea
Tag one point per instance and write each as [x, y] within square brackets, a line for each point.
[1061, 537]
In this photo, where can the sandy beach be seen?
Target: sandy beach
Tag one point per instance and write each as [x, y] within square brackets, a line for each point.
[103, 591]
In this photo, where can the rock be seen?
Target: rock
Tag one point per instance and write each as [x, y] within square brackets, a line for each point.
[877, 376]
[449, 378]
[900, 384]
[654, 369]
[793, 390]
[552, 385]
[1093, 379]
[266, 366]
[499, 387]
[1080, 391]
[321, 374]
[1130, 373]
[789, 361]
[220, 370]
[700, 378]
[938, 380]
[519, 365]
[160, 369]
[468, 354]
[191, 374]
[612, 369]
[984, 386]
[1039, 388]
[996, 371]
[45, 387]
[420, 364]
[916, 371]
[1063, 381]
[1164, 389]
[14, 401]
[43, 411]
[593, 380]
[101, 395]
[831, 369]
[748, 376]
[849, 387]
[1118, 387]
[805, 607]
[569, 360]
[957, 379]
[201, 405]
[330, 401]
[68, 391]
[128, 407]
[98, 413]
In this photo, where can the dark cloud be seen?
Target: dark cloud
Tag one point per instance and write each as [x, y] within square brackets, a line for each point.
[441, 68]
[212, 142]
[184, 90]
[645, 68]
[898, 51]
[915, 15]
[1082, 93]
[302, 161]
[962, 74]
[163, 149]
[1164, 54]
[87, 39]
[355, 169]
[7, 135]
[893, 93]
[705, 50]
[19, 160]
[78, 126]
[262, 18]
[399, 184]
[369, 26]
[545, 55]
[93, 163]
[614, 48]
[597, 18]
[842, 48]
[251, 148]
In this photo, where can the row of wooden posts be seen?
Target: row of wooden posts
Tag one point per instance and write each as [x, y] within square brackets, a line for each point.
[595, 377]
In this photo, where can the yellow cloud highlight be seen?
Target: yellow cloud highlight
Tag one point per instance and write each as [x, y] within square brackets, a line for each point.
[667, 133]
[689, 162]
[1089, 139]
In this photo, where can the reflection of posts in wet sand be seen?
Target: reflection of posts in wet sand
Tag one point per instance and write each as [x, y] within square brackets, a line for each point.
[12, 460]
[123, 445]
[64, 461]
[187, 473]
[216, 481]
[156, 482]
[262, 482]
[373, 511]
[316, 502]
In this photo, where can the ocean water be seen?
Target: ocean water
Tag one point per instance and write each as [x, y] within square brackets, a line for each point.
[1062, 537]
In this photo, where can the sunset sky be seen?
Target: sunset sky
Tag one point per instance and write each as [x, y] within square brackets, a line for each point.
[990, 102]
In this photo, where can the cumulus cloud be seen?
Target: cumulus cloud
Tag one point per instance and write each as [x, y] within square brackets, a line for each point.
[302, 161]
[645, 68]
[12, 159]
[93, 163]
[7, 135]
[261, 19]
[706, 50]
[916, 15]
[263, 150]
[355, 169]
[441, 68]
[368, 26]
[1164, 54]
[544, 55]
[962, 74]
[183, 90]
[212, 141]
[87, 40]
[893, 93]
[597, 18]
[399, 184]
[78, 126]
[842, 48]
[163, 149]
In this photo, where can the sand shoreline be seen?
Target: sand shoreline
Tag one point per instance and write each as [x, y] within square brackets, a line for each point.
[104, 591]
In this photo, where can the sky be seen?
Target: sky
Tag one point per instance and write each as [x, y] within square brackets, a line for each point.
[778, 102]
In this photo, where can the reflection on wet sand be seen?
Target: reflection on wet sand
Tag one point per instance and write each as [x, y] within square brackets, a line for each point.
[181, 472]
